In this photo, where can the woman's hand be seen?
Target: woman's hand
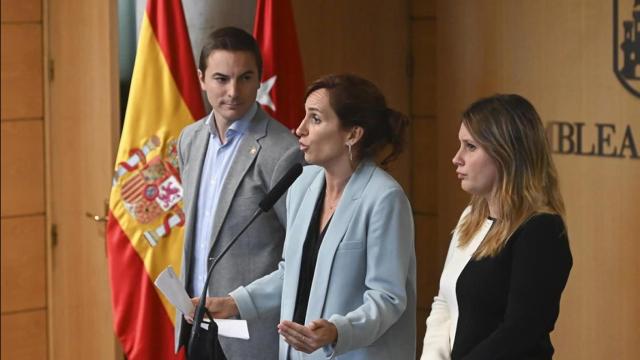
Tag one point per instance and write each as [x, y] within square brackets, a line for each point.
[309, 338]
[219, 307]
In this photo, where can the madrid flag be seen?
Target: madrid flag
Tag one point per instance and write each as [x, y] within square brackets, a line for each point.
[282, 87]
[144, 230]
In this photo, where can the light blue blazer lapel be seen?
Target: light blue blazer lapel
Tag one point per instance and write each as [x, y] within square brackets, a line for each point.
[298, 234]
[248, 150]
[347, 206]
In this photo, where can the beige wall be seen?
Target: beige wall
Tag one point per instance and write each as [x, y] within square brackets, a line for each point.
[24, 304]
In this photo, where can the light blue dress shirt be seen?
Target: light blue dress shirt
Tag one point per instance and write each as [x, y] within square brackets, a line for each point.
[214, 171]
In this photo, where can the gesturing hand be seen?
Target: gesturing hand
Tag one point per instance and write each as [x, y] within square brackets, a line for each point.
[309, 338]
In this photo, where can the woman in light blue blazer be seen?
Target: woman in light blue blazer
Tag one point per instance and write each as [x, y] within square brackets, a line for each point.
[346, 287]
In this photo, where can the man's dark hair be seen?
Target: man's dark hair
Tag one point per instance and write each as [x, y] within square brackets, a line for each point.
[231, 39]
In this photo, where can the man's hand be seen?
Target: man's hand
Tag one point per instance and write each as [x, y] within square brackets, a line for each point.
[219, 307]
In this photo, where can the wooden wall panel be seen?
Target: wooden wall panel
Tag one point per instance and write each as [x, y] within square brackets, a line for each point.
[428, 268]
[21, 84]
[423, 86]
[24, 320]
[369, 38]
[426, 226]
[421, 328]
[559, 56]
[22, 167]
[424, 157]
[23, 263]
[423, 179]
[21, 10]
[24, 335]
[423, 8]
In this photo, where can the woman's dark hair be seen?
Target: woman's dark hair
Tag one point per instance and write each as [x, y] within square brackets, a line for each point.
[231, 39]
[358, 102]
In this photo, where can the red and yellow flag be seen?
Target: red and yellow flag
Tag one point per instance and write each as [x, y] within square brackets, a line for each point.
[145, 227]
[281, 91]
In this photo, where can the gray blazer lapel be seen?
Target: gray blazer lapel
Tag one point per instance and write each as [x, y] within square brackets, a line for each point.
[198, 152]
[333, 237]
[298, 231]
[248, 150]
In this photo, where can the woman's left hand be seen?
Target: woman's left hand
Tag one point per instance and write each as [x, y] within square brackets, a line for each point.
[309, 338]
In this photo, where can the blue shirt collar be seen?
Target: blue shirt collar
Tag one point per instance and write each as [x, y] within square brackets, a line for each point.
[238, 127]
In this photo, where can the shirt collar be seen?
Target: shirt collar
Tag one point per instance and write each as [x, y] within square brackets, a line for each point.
[238, 127]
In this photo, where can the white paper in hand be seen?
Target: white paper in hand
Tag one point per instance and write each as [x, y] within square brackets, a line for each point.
[172, 288]
[231, 328]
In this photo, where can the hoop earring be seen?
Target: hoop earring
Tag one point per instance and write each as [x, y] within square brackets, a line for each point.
[350, 153]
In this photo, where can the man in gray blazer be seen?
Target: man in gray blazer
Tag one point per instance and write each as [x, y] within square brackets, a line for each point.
[228, 161]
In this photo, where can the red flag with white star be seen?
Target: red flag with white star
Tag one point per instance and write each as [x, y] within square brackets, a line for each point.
[281, 90]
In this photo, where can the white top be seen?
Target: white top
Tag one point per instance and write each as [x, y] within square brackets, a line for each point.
[443, 319]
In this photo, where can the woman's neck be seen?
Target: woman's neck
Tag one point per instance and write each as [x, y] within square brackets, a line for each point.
[337, 177]
[493, 207]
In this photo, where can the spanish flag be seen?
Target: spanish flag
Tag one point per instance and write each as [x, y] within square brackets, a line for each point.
[145, 226]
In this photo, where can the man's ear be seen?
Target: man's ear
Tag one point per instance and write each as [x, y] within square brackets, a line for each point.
[201, 79]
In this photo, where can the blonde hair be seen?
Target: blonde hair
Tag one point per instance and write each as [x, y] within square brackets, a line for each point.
[509, 129]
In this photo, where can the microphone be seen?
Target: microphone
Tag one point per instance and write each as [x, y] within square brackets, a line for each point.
[197, 340]
[272, 197]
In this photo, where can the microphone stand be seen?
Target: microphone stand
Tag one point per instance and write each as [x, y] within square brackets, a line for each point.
[200, 309]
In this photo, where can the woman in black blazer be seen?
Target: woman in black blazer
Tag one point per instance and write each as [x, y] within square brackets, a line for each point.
[509, 257]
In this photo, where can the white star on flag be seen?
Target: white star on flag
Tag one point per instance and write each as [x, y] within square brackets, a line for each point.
[263, 93]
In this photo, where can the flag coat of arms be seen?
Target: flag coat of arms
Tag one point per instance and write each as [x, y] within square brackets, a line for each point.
[144, 230]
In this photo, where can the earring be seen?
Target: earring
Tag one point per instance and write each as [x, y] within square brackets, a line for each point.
[350, 153]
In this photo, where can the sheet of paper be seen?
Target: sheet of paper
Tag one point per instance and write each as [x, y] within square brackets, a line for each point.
[230, 328]
[173, 289]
